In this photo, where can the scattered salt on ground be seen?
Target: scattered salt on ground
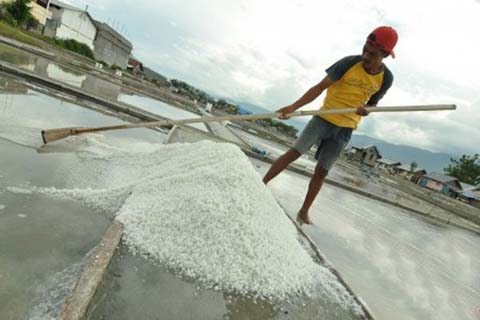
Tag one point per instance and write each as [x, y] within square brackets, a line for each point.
[21, 215]
[19, 190]
[2, 206]
[25, 136]
[50, 296]
[202, 210]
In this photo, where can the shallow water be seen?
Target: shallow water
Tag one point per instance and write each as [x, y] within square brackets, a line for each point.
[161, 108]
[43, 240]
[403, 266]
[40, 237]
[138, 289]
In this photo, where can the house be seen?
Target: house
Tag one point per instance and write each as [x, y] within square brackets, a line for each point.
[155, 77]
[367, 155]
[405, 170]
[110, 46]
[136, 68]
[69, 22]
[441, 182]
[476, 201]
[470, 194]
[387, 164]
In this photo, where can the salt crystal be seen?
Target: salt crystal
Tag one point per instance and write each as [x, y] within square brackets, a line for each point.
[203, 211]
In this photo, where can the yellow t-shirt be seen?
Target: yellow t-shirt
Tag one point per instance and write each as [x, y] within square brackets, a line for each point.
[353, 87]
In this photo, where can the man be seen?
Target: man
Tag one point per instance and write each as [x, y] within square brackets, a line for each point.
[354, 81]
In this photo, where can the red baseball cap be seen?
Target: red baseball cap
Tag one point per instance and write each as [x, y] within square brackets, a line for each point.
[385, 38]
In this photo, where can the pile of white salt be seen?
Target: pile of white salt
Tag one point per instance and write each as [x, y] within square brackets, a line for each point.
[202, 210]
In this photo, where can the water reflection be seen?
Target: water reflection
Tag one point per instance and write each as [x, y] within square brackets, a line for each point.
[403, 266]
[46, 68]
[10, 86]
[24, 112]
[161, 108]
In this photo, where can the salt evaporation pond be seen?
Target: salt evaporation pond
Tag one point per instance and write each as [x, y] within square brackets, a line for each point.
[202, 211]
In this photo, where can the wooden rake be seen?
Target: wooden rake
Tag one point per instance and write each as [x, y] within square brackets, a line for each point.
[61, 133]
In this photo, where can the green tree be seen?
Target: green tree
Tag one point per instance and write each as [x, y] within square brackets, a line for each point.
[466, 169]
[413, 166]
[19, 11]
[78, 47]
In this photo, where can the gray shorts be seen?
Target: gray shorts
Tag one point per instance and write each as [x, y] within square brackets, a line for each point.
[329, 138]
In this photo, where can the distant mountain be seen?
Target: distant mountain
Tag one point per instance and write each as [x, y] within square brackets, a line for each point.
[431, 161]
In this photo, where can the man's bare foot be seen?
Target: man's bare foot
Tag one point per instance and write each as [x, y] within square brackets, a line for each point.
[302, 217]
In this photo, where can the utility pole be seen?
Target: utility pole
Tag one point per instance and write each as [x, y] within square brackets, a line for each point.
[45, 15]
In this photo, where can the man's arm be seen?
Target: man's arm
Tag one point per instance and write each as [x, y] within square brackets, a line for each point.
[308, 97]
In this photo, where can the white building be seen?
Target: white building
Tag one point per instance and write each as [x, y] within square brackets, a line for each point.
[69, 22]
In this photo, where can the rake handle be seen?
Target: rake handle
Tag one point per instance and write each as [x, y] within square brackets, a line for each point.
[262, 116]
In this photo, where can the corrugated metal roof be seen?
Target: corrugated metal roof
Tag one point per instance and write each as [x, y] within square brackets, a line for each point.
[469, 187]
[407, 167]
[440, 177]
[388, 161]
[368, 147]
[64, 5]
[105, 27]
[471, 195]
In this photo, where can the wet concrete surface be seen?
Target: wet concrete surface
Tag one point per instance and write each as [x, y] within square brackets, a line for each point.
[43, 240]
[40, 237]
[136, 288]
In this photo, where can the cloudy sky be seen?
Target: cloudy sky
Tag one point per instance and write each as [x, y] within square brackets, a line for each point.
[270, 52]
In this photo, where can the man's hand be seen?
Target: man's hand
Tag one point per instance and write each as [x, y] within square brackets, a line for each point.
[362, 111]
[285, 111]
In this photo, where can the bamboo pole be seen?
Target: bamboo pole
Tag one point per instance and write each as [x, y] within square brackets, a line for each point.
[57, 134]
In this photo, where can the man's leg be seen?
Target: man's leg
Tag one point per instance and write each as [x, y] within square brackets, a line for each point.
[327, 153]
[280, 164]
[314, 187]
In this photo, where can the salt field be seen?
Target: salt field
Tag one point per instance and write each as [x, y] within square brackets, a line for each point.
[47, 170]
[203, 237]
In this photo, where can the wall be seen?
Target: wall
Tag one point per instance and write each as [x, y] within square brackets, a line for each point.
[370, 157]
[76, 25]
[38, 12]
[434, 185]
[111, 50]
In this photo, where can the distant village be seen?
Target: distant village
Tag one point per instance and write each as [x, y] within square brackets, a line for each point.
[451, 186]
